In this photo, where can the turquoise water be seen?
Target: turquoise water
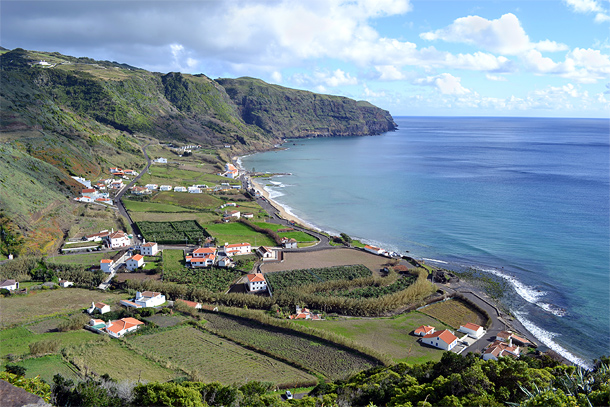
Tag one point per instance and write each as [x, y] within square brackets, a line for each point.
[524, 199]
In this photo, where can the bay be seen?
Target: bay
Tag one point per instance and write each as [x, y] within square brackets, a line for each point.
[525, 199]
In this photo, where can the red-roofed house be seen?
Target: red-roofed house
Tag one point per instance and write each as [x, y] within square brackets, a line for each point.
[506, 336]
[444, 339]
[190, 303]
[149, 249]
[107, 265]
[289, 243]
[236, 249]
[204, 251]
[499, 349]
[266, 253]
[99, 307]
[256, 282]
[118, 239]
[373, 249]
[120, 327]
[473, 330]
[134, 262]
[423, 330]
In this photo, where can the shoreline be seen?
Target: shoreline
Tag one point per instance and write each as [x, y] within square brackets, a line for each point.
[510, 321]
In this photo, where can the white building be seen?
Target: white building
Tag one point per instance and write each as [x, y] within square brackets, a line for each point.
[202, 257]
[99, 307]
[444, 339]
[123, 326]
[107, 265]
[423, 330]
[499, 349]
[373, 249]
[134, 262]
[180, 189]
[165, 188]
[145, 299]
[194, 190]
[118, 239]
[236, 249]
[161, 160]
[10, 285]
[65, 283]
[256, 282]
[472, 330]
[151, 187]
[149, 249]
[266, 253]
[289, 243]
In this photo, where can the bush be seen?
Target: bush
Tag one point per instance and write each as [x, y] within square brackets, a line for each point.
[75, 322]
[44, 347]
[15, 369]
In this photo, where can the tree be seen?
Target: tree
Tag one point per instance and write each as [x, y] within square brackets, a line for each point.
[15, 369]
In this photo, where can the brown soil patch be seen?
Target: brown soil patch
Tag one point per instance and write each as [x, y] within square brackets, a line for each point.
[120, 277]
[327, 258]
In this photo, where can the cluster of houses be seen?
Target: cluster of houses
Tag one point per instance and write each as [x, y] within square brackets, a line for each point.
[134, 262]
[117, 328]
[112, 239]
[305, 313]
[505, 344]
[446, 339]
[193, 189]
[221, 256]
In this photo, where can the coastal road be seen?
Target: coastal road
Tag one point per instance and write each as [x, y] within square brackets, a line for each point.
[119, 203]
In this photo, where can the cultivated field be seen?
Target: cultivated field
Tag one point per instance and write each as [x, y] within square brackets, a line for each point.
[138, 206]
[120, 277]
[216, 359]
[294, 234]
[16, 341]
[454, 313]
[327, 258]
[86, 259]
[392, 336]
[235, 232]
[41, 303]
[48, 366]
[317, 354]
[119, 362]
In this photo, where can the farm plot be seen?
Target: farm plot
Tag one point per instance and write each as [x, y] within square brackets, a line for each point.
[316, 354]
[285, 279]
[392, 336]
[46, 326]
[212, 278]
[164, 321]
[373, 291]
[39, 304]
[120, 363]
[216, 359]
[173, 232]
[454, 313]
[293, 234]
[186, 200]
[16, 341]
[86, 259]
[138, 206]
[48, 366]
[235, 232]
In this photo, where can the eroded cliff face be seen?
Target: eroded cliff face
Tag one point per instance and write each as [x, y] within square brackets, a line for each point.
[291, 113]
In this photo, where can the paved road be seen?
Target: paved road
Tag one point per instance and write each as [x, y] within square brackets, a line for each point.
[119, 203]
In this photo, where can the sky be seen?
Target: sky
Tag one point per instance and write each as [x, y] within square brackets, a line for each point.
[534, 58]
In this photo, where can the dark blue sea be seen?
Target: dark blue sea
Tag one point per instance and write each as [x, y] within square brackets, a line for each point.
[523, 199]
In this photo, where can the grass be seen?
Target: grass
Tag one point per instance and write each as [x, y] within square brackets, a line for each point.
[137, 206]
[44, 303]
[235, 232]
[48, 366]
[46, 325]
[201, 217]
[388, 335]
[215, 359]
[186, 200]
[119, 362]
[86, 259]
[295, 234]
[16, 341]
[164, 321]
[454, 313]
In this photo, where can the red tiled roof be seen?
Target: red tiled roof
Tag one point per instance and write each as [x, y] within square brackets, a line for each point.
[237, 245]
[137, 257]
[87, 190]
[444, 335]
[189, 303]
[106, 261]
[372, 247]
[149, 244]
[122, 324]
[256, 277]
[205, 250]
[425, 329]
[150, 294]
[100, 305]
[472, 326]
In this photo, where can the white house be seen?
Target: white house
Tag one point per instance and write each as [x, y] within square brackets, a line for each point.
[232, 214]
[498, 349]
[10, 285]
[161, 160]
[140, 191]
[165, 188]
[180, 189]
[237, 249]
[149, 249]
[473, 330]
[194, 190]
[118, 239]
[89, 192]
[99, 307]
[65, 283]
[116, 184]
[506, 336]
[152, 187]
[230, 171]
[444, 339]
[423, 330]
[289, 243]
[134, 262]
[107, 265]
[248, 215]
[145, 299]
[202, 257]
[373, 249]
[256, 282]
[266, 253]
[120, 327]
[225, 262]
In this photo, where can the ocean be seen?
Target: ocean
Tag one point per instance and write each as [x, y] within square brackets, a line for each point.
[523, 199]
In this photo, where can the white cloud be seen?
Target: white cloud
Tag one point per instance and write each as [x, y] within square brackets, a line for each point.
[496, 78]
[325, 79]
[446, 83]
[589, 6]
[504, 35]
[389, 73]
[372, 94]
[276, 77]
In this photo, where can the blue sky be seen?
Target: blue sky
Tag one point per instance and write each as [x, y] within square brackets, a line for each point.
[449, 58]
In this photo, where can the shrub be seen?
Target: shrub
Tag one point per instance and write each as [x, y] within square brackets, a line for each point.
[15, 369]
[43, 347]
[75, 322]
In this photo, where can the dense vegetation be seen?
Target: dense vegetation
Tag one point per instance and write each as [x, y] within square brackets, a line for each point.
[39, 269]
[282, 280]
[173, 232]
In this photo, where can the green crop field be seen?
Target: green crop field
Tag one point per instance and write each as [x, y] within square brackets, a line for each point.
[173, 232]
[186, 200]
[48, 366]
[86, 259]
[317, 354]
[392, 336]
[42, 303]
[137, 206]
[119, 362]
[294, 234]
[285, 279]
[235, 232]
[16, 341]
[216, 359]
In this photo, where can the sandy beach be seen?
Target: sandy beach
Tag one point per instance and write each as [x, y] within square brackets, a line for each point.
[280, 209]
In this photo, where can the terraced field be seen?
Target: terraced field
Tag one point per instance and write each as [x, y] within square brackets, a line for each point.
[216, 359]
[317, 354]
